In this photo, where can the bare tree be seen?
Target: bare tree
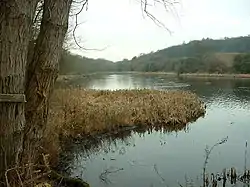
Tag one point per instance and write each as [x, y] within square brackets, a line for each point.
[32, 33]
[15, 30]
[20, 123]
[43, 69]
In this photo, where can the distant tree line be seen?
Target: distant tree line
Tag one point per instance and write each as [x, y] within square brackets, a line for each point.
[228, 55]
[76, 64]
[242, 63]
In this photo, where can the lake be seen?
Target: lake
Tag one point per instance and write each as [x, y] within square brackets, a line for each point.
[167, 159]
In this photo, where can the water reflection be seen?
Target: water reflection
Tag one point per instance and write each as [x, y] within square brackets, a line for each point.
[175, 154]
[106, 143]
[124, 152]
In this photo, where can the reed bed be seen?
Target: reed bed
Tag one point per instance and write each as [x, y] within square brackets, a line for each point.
[81, 112]
[91, 114]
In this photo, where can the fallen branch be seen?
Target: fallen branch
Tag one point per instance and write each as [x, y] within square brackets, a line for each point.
[104, 175]
[157, 172]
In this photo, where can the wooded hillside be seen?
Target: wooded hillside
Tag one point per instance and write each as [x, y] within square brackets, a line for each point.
[76, 64]
[206, 55]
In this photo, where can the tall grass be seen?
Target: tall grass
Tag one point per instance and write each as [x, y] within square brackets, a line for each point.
[80, 112]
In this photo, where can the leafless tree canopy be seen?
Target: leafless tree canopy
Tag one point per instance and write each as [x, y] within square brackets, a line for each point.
[32, 33]
[169, 6]
[79, 6]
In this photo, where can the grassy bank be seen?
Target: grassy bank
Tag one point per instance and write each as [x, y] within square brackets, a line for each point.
[80, 112]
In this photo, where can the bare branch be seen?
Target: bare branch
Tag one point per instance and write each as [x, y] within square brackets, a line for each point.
[153, 18]
[38, 12]
[84, 5]
[37, 19]
[157, 172]
[104, 175]
[169, 6]
[208, 152]
[80, 2]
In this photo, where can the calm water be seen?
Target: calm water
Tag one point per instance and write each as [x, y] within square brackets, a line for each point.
[161, 159]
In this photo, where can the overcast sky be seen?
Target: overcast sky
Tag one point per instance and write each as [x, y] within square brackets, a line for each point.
[120, 26]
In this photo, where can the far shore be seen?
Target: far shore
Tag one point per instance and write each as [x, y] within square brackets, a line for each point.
[170, 74]
[205, 75]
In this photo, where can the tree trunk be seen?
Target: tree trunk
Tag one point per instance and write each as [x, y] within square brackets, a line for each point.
[43, 71]
[15, 23]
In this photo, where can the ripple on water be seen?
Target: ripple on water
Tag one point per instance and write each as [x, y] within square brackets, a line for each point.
[158, 158]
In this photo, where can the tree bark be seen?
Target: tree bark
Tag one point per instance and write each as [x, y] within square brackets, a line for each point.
[43, 71]
[15, 24]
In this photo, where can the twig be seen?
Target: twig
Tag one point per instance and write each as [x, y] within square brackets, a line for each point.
[168, 5]
[19, 178]
[6, 178]
[38, 11]
[78, 1]
[180, 184]
[245, 165]
[37, 19]
[37, 177]
[104, 175]
[245, 173]
[157, 172]
[24, 167]
[208, 152]
[153, 18]
[84, 4]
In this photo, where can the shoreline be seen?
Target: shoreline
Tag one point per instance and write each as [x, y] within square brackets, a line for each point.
[207, 75]
[169, 74]
[198, 75]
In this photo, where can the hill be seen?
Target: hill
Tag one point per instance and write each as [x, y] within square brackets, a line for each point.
[226, 45]
[206, 55]
[76, 64]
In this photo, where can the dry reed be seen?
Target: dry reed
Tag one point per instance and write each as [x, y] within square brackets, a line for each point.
[79, 112]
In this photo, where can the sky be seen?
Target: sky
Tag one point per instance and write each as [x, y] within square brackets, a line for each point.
[123, 31]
